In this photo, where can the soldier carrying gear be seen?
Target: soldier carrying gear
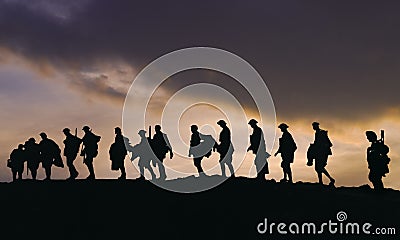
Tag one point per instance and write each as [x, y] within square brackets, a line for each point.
[225, 148]
[72, 145]
[320, 150]
[90, 151]
[287, 147]
[143, 151]
[17, 159]
[50, 154]
[377, 160]
[257, 146]
[161, 146]
[32, 151]
[118, 153]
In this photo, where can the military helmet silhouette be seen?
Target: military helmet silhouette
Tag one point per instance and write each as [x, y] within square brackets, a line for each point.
[86, 128]
[118, 130]
[252, 121]
[43, 135]
[371, 134]
[221, 123]
[142, 132]
[66, 130]
[283, 126]
[315, 124]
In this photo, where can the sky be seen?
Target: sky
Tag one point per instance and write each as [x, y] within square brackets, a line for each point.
[71, 63]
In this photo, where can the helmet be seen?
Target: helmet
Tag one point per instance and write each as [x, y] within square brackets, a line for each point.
[221, 123]
[252, 121]
[283, 126]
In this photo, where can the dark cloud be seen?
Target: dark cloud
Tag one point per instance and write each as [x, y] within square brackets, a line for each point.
[327, 58]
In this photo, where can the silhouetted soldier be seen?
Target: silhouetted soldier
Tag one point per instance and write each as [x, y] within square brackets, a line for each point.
[287, 147]
[377, 160]
[143, 151]
[257, 145]
[17, 159]
[195, 141]
[90, 151]
[32, 150]
[118, 153]
[161, 146]
[320, 150]
[71, 149]
[225, 148]
[50, 154]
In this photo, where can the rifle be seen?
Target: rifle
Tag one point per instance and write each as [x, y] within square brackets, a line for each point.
[76, 132]
[383, 136]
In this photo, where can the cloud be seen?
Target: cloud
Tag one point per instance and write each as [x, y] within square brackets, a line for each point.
[328, 60]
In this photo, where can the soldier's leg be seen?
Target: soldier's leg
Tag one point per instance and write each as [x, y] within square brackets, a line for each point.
[230, 166]
[141, 169]
[283, 170]
[123, 172]
[222, 161]
[47, 170]
[289, 173]
[20, 174]
[89, 164]
[261, 167]
[222, 169]
[153, 175]
[197, 164]
[73, 173]
[14, 173]
[161, 169]
[324, 171]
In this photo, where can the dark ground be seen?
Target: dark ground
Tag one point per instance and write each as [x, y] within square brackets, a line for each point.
[140, 210]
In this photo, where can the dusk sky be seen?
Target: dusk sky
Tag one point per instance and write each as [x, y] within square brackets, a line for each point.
[71, 63]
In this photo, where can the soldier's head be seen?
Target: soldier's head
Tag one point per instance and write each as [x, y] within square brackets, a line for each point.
[20, 146]
[194, 128]
[142, 133]
[66, 131]
[221, 123]
[43, 135]
[157, 128]
[252, 123]
[283, 127]
[117, 130]
[315, 125]
[371, 136]
[31, 140]
[86, 129]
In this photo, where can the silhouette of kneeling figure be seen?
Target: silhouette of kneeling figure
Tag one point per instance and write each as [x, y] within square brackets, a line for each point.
[377, 160]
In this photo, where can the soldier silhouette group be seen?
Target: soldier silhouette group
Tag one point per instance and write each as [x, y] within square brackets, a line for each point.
[152, 151]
